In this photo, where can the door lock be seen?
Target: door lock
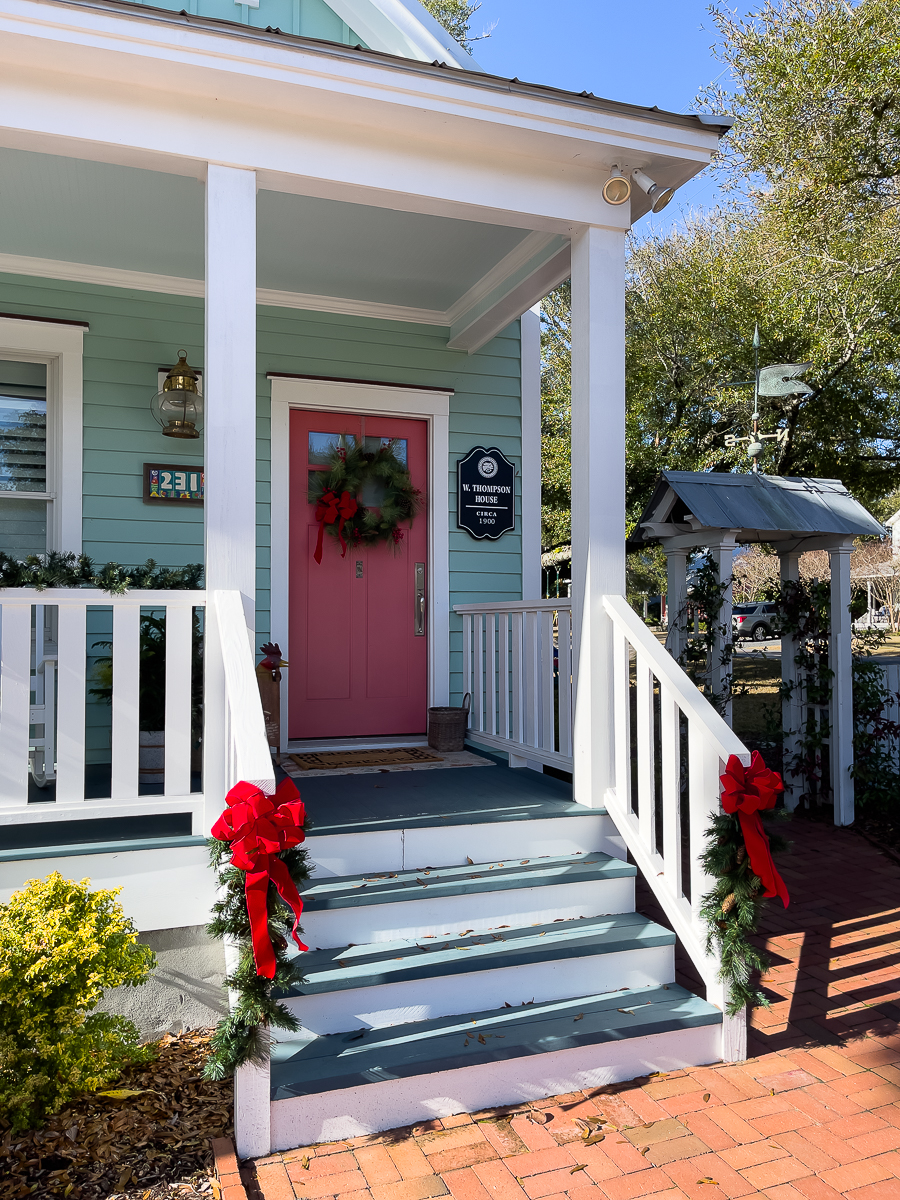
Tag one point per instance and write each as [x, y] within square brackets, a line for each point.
[419, 610]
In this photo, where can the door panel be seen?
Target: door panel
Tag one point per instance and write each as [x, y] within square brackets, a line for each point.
[357, 667]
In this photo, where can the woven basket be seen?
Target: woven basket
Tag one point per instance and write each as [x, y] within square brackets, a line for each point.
[447, 727]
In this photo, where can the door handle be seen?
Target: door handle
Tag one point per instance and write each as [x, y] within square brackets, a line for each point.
[419, 605]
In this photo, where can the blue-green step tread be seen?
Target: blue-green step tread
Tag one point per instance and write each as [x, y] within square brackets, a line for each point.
[391, 887]
[304, 1065]
[347, 967]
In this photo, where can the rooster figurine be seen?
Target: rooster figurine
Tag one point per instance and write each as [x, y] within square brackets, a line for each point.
[268, 674]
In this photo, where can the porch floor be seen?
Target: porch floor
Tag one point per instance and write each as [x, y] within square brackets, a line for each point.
[474, 795]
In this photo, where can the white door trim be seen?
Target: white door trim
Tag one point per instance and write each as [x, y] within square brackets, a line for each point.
[384, 401]
[61, 347]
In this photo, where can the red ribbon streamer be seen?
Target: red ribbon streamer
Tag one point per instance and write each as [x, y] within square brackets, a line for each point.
[259, 827]
[329, 509]
[746, 790]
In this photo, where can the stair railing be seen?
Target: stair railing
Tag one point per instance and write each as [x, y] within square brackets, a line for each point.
[671, 746]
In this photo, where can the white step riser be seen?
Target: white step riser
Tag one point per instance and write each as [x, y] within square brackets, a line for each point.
[450, 845]
[352, 1112]
[442, 996]
[447, 915]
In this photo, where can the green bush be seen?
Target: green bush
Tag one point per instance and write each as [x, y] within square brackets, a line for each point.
[61, 947]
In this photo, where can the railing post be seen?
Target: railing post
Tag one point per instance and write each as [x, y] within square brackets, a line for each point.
[840, 657]
[791, 704]
[598, 495]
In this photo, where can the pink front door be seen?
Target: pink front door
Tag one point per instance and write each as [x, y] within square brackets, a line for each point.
[358, 663]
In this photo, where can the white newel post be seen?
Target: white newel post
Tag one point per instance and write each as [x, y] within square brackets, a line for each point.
[791, 705]
[840, 656]
[721, 670]
[229, 387]
[598, 496]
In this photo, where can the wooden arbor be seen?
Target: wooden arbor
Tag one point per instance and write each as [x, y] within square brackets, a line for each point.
[692, 509]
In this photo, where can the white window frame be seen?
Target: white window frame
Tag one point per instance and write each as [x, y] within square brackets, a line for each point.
[368, 399]
[60, 347]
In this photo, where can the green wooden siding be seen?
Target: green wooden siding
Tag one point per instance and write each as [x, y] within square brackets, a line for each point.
[308, 18]
[134, 333]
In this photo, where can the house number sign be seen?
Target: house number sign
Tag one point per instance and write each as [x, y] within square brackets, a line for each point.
[486, 493]
[163, 483]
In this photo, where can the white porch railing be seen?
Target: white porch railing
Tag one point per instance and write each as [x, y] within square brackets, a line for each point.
[671, 746]
[48, 643]
[517, 665]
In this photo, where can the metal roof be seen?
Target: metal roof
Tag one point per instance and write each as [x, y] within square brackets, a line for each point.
[762, 507]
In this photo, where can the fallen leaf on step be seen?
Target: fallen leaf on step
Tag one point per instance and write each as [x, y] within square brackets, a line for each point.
[304, 1162]
[506, 1004]
[524, 862]
[594, 1139]
[582, 1125]
[463, 932]
[706, 1098]
[341, 962]
[470, 861]
[665, 989]
[578, 1167]
[658, 1074]
[626, 1010]
[482, 1039]
[648, 1125]
[771, 1091]
[578, 1018]
[708, 1180]
[466, 1042]
[644, 1149]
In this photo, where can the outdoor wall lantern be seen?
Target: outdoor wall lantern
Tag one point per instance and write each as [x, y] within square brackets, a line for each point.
[178, 408]
[617, 188]
[659, 196]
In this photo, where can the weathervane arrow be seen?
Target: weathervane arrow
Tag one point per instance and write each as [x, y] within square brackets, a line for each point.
[781, 380]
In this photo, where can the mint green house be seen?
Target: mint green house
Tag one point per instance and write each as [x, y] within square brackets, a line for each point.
[345, 227]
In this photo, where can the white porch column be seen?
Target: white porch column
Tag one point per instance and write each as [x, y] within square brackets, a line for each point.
[721, 670]
[840, 659]
[598, 495]
[229, 387]
[676, 600]
[791, 706]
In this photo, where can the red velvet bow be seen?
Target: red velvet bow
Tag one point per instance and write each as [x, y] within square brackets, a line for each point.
[259, 827]
[746, 790]
[331, 508]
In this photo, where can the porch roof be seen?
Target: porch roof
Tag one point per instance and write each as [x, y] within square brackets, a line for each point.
[757, 508]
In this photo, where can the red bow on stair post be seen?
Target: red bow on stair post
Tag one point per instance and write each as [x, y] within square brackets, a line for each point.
[331, 508]
[746, 790]
[259, 827]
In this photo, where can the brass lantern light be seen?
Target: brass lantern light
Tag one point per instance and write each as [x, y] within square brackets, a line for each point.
[178, 408]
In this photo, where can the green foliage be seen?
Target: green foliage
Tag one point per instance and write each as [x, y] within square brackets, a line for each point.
[456, 17]
[556, 417]
[875, 735]
[731, 909]
[61, 947]
[242, 1036]
[64, 569]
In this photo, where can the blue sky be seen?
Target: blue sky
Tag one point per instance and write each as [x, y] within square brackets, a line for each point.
[642, 51]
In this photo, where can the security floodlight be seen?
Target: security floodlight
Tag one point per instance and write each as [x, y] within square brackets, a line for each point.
[659, 196]
[617, 188]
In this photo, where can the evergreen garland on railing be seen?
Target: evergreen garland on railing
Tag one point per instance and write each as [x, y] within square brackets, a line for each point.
[242, 1036]
[731, 910]
[67, 570]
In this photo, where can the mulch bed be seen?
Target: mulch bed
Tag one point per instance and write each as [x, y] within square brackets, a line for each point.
[142, 1147]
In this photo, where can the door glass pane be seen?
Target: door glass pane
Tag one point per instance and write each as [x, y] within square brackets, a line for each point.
[398, 445]
[23, 457]
[323, 445]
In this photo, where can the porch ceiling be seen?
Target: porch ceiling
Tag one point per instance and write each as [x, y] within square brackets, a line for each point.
[132, 226]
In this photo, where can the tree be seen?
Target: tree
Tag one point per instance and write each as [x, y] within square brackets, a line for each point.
[456, 17]
[556, 418]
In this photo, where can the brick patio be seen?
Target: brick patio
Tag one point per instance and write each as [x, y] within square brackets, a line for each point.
[814, 1115]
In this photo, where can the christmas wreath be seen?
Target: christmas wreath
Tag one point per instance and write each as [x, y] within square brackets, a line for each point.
[336, 491]
[739, 855]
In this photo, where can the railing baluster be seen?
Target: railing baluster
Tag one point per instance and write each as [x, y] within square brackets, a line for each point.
[15, 703]
[179, 660]
[532, 666]
[126, 666]
[621, 719]
[547, 739]
[478, 689]
[564, 650]
[644, 681]
[70, 726]
[491, 688]
[467, 653]
[518, 682]
[671, 784]
[504, 697]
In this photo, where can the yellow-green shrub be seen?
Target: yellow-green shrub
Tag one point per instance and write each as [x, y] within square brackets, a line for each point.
[61, 947]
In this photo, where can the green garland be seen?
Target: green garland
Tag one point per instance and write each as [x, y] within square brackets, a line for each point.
[731, 910]
[350, 467]
[64, 569]
[242, 1036]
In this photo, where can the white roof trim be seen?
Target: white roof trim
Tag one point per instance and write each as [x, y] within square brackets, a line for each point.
[404, 28]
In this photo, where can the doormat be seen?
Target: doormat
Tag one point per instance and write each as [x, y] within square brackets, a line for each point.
[341, 760]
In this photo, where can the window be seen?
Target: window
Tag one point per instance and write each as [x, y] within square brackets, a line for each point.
[23, 458]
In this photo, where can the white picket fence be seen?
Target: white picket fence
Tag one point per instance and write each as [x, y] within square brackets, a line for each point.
[47, 655]
[517, 667]
[891, 672]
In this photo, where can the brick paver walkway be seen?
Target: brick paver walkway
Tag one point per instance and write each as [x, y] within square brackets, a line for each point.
[813, 1116]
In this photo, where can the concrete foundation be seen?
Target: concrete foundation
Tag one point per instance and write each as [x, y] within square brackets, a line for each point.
[184, 992]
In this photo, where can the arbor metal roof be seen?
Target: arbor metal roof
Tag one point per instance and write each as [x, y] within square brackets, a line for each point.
[762, 507]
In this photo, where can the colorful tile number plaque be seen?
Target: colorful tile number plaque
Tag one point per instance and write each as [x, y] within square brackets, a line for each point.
[163, 483]
[486, 493]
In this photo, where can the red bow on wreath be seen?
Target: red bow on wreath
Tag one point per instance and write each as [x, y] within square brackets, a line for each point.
[259, 827]
[331, 508]
[746, 790]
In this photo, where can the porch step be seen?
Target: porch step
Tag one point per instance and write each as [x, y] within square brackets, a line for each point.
[414, 980]
[344, 1084]
[397, 905]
